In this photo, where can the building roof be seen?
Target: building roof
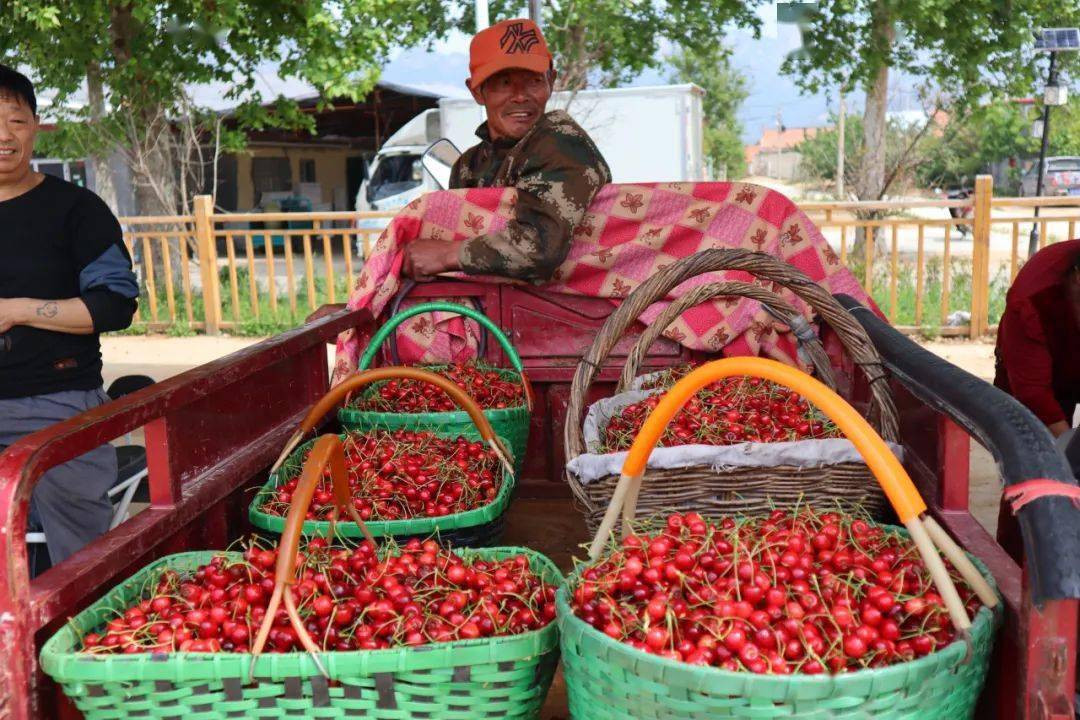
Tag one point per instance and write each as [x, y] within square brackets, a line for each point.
[361, 124]
[777, 140]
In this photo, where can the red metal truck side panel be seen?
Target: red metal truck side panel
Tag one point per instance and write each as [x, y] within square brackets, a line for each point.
[214, 445]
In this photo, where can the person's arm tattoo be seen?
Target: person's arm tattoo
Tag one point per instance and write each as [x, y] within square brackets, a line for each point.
[48, 310]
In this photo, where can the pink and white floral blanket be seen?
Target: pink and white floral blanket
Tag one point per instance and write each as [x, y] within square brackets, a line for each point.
[629, 233]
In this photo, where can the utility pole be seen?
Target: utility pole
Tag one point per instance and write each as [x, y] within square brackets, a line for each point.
[1033, 239]
[840, 147]
[482, 18]
[534, 13]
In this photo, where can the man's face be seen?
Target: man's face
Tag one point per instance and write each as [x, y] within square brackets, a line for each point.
[18, 127]
[515, 100]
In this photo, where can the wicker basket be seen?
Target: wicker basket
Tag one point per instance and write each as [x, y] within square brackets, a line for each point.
[478, 527]
[749, 489]
[496, 677]
[481, 527]
[512, 423]
[607, 679]
[504, 677]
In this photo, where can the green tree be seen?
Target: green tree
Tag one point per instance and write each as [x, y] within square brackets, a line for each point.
[966, 49]
[905, 152]
[818, 152]
[972, 141]
[608, 42]
[725, 90]
[137, 59]
[1064, 128]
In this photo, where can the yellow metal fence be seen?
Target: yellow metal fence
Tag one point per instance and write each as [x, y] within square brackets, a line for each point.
[927, 269]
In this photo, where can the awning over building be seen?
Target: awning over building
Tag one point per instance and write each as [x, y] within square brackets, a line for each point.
[362, 125]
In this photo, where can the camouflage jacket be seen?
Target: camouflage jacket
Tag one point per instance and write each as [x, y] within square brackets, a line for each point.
[557, 171]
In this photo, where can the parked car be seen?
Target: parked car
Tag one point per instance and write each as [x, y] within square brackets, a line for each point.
[1062, 177]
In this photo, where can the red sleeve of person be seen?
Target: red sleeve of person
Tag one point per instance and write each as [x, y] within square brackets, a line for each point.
[1038, 344]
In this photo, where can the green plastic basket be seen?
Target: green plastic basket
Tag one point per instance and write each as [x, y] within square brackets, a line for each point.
[512, 424]
[609, 680]
[481, 526]
[506, 677]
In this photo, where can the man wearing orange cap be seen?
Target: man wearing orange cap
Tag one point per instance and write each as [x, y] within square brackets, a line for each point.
[548, 157]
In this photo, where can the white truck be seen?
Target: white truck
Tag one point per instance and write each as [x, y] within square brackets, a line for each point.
[646, 134]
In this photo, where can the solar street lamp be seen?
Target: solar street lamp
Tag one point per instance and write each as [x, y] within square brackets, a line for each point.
[1053, 41]
[1056, 95]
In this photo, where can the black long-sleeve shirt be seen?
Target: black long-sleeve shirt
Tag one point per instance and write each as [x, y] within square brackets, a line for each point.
[60, 241]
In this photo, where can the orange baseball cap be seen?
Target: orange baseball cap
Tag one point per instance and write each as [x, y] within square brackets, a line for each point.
[516, 43]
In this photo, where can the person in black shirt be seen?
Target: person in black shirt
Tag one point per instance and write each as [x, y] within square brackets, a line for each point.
[65, 277]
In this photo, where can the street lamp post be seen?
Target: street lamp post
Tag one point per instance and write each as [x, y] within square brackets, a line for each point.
[1053, 41]
[1051, 81]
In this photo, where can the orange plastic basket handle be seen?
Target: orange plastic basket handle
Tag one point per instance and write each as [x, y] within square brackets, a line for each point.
[888, 471]
[366, 377]
[328, 451]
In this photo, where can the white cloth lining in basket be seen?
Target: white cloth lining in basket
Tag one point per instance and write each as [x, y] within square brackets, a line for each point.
[593, 465]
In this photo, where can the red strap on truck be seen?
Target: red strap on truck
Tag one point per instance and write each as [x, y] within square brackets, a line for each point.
[1021, 494]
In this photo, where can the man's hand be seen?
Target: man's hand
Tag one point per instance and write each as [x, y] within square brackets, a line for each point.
[12, 312]
[426, 258]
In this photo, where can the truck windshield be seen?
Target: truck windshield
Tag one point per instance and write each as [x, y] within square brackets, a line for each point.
[395, 174]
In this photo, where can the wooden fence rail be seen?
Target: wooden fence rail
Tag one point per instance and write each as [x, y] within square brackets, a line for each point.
[215, 271]
[921, 260]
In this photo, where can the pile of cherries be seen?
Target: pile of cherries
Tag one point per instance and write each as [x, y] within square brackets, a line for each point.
[488, 386]
[403, 474]
[349, 599]
[729, 411]
[803, 592]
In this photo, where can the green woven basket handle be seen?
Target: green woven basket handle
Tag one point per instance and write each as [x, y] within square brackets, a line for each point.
[392, 324]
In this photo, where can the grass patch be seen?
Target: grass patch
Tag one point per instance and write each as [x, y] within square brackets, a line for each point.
[250, 320]
[929, 322]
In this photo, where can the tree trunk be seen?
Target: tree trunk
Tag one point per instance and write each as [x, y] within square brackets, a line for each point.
[156, 193]
[573, 70]
[104, 182]
[154, 172]
[870, 184]
[149, 156]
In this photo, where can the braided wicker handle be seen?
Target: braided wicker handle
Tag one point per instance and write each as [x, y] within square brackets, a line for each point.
[703, 293]
[387, 331]
[366, 377]
[888, 471]
[657, 287]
